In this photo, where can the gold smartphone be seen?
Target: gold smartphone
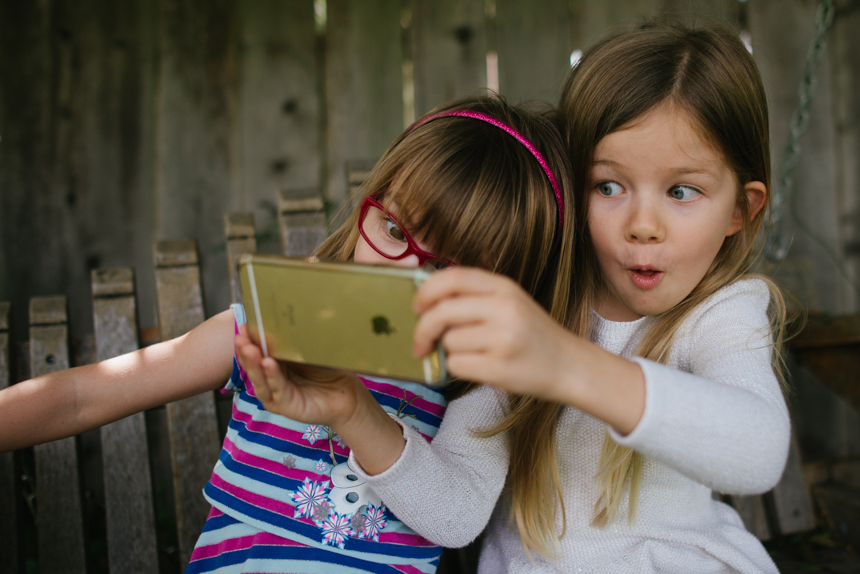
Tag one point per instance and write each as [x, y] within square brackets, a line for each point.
[340, 315]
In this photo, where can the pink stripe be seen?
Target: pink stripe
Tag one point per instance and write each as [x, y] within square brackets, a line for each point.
[249, 459]
[398, 393]
[273, 430]
[407, 569]
[241, 543]
[288, 511]
[270, 504]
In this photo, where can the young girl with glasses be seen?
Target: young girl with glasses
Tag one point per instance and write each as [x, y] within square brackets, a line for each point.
[477, 183]
[675, 394]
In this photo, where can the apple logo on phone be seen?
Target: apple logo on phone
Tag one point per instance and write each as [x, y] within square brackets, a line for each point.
[381, 326]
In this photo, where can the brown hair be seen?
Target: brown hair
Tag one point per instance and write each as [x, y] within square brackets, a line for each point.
[709, 75]
[478, 197]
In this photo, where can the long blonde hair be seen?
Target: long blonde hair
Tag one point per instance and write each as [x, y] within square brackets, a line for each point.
[708, 74]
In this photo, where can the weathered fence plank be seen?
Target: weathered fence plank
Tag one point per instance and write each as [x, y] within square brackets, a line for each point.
[239, 232]
[58, 520]
[844, 45]
[280, 101]
[753, 514]
[781, 33]
[301, 223]
[534, 45]
[449, 51]
[9, 530]
[194, 176]
[364, 84]
[192, 423]
[125, 454]
[792, 503]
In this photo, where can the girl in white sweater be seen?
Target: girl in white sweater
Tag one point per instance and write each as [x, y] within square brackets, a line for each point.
[602, 454]
[610, 448]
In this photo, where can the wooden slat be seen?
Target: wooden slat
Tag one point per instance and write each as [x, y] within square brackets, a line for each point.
[533, 43]
[753, 513]
[125, 454]
[843, 45]
[364, 84]
[192, 423]
[197, 165]
[791, 501]
[239, 230]
[781, 32]
[828, 331]
[59, 521]
[301, 223]
[280, 102]
[449, 54]
[9, 491]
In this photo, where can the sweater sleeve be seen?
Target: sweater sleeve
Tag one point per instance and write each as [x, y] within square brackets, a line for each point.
[446, 490]
[725, 423]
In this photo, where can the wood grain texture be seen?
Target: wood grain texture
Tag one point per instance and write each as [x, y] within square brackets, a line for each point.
[843, 47]
[533, 43]
[239, 230]
[364, 85]
[280, 103]
[125, 454]
[301, 223]
[9, 491]
[58, 520]
[792, 503]
[753, 513]
[76, 100]
[449, 51]
[192, 422]
[196, 154]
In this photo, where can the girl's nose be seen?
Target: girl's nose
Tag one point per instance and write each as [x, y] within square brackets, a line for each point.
[645, 224]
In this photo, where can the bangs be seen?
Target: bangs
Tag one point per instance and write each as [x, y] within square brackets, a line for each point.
[459, 192]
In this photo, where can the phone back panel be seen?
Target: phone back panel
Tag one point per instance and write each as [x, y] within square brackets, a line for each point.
[340, 315]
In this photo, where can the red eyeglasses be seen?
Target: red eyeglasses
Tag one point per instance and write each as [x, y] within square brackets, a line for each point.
[387, 237]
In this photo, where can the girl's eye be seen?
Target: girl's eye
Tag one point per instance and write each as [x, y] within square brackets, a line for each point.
[609, 188]
[684, 193]
[393, 231]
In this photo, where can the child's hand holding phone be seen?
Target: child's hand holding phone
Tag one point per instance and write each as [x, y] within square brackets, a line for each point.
[329, 397]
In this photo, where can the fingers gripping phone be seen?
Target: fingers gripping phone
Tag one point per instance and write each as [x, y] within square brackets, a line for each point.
[345, 316]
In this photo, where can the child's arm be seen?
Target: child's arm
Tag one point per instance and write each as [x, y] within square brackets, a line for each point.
[72, 401]
[725, 424]
[495, 333]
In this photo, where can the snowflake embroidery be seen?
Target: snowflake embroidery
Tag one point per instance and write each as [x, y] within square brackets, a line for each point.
[336, 529]
[312, 433]
[309, 496]
[321, 512]
[289, 461]
[374, 522]
[321, 466]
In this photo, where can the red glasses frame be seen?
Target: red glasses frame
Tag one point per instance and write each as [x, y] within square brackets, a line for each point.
[411, 246]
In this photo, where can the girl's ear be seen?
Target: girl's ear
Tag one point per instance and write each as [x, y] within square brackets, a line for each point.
[756, 194]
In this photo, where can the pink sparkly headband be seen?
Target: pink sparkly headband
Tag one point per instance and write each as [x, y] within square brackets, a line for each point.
[559, 201]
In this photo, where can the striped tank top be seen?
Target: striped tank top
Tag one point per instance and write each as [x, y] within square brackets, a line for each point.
[293, 480]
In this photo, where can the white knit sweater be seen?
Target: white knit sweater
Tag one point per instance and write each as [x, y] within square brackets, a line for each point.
[714, 419]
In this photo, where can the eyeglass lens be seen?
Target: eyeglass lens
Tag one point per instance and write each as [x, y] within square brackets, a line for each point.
[383, 233]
